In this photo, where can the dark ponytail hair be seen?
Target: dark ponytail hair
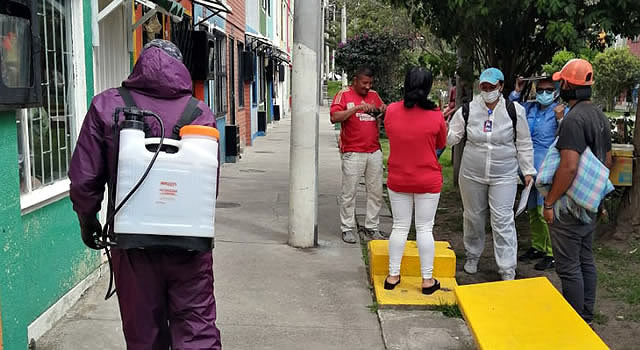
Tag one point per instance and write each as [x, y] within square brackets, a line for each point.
[417, 86]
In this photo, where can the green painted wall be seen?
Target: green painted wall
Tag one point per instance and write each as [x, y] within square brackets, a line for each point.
[11, 232]
[41, 254]
[88, 49]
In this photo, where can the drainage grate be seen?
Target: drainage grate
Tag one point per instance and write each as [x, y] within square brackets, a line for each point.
[226, 205]
[252, 171]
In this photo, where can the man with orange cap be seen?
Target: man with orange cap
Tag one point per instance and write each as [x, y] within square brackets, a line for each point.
[585, 125]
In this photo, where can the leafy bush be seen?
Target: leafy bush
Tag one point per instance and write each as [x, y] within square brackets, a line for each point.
[384, 53]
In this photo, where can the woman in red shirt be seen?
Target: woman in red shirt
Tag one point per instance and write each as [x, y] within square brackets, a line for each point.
[415, 128]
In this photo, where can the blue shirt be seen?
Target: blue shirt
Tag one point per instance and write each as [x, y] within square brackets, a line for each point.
[543, 126]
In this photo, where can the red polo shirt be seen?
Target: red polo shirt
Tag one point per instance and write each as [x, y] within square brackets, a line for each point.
[414, 135]
[359, 133]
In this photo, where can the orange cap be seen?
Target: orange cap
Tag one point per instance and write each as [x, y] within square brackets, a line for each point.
[576, 72]
[199, 130]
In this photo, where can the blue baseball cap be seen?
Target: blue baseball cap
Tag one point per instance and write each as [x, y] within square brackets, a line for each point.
[491, 76]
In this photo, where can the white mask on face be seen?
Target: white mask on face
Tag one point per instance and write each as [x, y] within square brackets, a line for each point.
[490, 97]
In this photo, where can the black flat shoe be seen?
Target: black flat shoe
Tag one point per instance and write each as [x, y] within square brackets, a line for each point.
[531, 254]
[432, 289]
[390, 286]
[546, 263]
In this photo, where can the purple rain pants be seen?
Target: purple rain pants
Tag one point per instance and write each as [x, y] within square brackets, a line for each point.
[166, 299]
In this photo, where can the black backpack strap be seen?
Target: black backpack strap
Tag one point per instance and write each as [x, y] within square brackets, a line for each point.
[465, 117]
[191, 112]
[126, 96]
[511, 109]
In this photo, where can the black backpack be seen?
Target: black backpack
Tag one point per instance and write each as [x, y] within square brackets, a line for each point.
[511, 109]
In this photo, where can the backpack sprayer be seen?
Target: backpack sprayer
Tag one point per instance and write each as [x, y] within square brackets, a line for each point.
[164, 187]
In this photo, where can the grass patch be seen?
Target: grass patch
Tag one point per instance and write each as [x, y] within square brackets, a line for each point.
[365, 253]
[333, 87]
[614, 114]
[600, 318]
[373, 307]
[449, 310]
[447, 171]
[618, 272]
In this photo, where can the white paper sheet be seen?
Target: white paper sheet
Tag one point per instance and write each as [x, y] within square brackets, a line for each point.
[524, 199]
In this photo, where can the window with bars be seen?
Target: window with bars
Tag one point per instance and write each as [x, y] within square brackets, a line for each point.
[221, 76]
[263, 78]
[44, 133]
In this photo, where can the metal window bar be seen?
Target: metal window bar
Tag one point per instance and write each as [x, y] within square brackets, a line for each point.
[54, 116]
[47, 155]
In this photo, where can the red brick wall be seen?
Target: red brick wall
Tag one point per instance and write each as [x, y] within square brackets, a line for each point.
[235, 28]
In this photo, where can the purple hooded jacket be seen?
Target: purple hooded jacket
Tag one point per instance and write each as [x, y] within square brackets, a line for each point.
[159, 83]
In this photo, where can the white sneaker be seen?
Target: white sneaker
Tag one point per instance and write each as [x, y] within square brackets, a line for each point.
[471, 266]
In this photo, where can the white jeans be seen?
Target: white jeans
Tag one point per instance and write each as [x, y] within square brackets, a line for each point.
[402, 206]
[354, 166]
[498, 199]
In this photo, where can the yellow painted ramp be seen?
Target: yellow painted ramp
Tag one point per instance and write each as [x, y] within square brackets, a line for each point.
[409, 292]
[523, 314]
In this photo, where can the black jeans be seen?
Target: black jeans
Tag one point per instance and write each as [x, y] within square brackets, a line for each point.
[572, 243]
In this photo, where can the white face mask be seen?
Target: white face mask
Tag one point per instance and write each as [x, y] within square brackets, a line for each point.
[490, 97]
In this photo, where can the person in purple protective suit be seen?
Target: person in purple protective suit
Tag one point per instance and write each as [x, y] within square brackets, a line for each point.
[164, 284]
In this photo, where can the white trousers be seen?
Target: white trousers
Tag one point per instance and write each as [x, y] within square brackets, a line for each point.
[354, 166]
[402, 206]
[478, 199]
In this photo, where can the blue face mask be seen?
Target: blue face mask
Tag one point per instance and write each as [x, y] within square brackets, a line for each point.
[545, 98]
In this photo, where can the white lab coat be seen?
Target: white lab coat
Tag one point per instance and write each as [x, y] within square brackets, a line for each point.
[489, 176]
[493, 157]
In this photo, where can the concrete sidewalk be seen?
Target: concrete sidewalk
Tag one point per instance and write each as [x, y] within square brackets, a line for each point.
[269, 295]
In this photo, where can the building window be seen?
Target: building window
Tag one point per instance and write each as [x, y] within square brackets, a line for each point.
[263, 79]
[44, 133]
[240, 75]
[221, 76]
[254, 84]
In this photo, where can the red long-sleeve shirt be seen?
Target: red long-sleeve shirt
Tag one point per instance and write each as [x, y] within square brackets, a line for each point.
[414, 135]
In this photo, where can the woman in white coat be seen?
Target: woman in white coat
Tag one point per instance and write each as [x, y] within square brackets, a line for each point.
[489, 171]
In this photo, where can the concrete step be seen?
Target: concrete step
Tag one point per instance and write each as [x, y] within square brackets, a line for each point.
[523, 314]
[444, 264]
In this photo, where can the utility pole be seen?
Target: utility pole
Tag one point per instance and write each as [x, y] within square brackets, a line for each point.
[303, 158]
[343, 37]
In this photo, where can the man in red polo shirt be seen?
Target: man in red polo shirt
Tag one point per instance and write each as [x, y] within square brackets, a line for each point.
[361, 155]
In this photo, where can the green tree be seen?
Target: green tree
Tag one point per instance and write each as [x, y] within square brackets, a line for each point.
[561, 57]
[520, 36]
[615, 70]
[377, 51]
[558, 61]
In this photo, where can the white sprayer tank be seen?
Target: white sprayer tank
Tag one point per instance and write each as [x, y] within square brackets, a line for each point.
[178, 197]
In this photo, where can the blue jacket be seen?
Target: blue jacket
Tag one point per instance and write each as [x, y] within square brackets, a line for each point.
[543, 126]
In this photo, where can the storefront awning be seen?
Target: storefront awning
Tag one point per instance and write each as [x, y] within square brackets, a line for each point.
[168, 7]
[214, 6]
[257, 42]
